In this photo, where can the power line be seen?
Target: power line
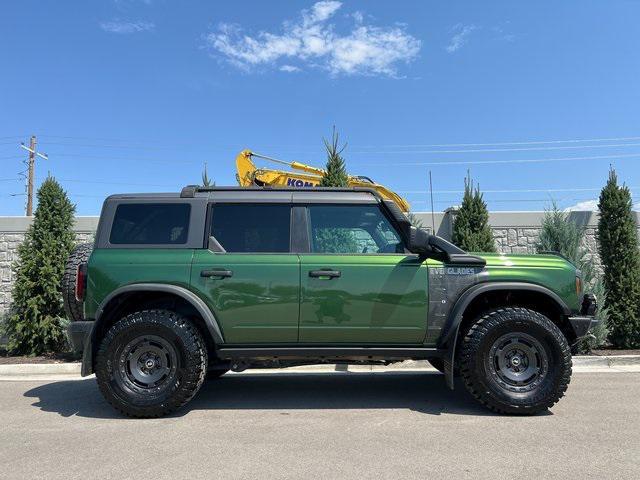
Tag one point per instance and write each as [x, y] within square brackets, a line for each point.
[117, 183]
[530, 190]
[487, 162]
[111, 157]
[134, 143]
[495, 150]
[538, 142]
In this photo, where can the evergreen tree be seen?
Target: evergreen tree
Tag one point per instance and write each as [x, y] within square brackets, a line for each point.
[618, 245]
[560, 234]
[471, 230]
[206, 182]
[35, 323]
[335, 240]
[335, 174]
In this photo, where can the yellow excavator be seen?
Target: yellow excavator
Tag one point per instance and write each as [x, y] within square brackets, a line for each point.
[302, 176]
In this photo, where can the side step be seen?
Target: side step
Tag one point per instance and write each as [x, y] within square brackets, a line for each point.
[229, 353]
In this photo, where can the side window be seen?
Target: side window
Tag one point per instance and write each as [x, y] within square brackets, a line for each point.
[150, 224]
[352, 229]
[252, 228]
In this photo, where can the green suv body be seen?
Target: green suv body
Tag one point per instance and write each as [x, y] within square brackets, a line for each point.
[183, 286]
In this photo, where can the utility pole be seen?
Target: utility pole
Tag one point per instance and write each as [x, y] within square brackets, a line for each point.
[32, 162]
[31, 171]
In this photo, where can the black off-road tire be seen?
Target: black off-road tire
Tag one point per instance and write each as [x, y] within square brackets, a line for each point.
[73, 307]
[485, 371]
[169, 338]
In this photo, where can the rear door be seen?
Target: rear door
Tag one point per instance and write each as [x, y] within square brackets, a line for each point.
[248, 276]
[357, 283]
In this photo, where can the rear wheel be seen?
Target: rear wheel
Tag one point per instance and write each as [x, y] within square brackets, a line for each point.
[151, 363]
[516, 361]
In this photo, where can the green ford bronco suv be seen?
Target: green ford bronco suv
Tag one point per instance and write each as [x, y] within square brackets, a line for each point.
[179, 287]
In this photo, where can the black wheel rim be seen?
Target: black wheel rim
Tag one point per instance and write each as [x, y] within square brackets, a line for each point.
[148, 363]
[518, 362]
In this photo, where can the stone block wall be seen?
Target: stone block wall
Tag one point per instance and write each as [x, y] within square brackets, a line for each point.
[12, 231]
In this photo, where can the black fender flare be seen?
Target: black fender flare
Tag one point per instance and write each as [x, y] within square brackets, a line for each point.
[449, 336]
[201, 307]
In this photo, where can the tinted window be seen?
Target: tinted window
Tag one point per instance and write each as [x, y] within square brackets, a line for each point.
[252, 228]
[150, 223]
[352, 229]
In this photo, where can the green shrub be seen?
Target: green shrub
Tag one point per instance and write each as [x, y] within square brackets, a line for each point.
[36, 321]
[618, 244]
[471, 231]
[560, 234]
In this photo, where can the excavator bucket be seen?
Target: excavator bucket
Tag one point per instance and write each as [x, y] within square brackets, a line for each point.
[246, 169]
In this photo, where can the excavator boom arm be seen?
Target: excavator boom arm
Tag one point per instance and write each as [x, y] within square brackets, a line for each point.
[249, 175]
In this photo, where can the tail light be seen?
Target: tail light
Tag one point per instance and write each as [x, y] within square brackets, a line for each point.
[81, 281]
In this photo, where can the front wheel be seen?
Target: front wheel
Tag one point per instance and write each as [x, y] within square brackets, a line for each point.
[515, 361]
[151, 363]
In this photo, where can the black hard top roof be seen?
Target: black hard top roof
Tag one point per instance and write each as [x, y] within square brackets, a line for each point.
[262, 194]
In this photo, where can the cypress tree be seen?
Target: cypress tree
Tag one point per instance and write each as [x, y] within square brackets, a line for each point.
[335, 174]
[35, 324]
[471, 230]
[618, 246]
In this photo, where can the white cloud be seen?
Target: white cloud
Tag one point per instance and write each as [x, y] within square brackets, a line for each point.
[117, 26]
[460, 37]
[314, 42]
[587, 205]
[592, 205]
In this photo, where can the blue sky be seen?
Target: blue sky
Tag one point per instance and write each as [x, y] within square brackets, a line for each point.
[537, 99]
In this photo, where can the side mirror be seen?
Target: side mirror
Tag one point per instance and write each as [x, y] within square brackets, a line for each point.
[418, 241]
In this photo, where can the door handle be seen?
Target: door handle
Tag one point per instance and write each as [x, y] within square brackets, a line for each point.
[326, 272]
[216, 273]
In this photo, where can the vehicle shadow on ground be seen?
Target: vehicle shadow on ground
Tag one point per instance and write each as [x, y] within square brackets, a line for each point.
[420, 392]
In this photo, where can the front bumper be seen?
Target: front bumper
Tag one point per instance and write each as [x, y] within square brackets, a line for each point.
[584, 322]
[79, 333]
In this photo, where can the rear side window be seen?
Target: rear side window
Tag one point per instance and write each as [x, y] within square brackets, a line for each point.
[150, 224]
[251, 228]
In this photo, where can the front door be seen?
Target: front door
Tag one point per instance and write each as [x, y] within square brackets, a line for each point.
[252, 283]
[357, 284]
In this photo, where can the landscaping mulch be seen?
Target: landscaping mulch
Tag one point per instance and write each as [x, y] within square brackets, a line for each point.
[5, 359]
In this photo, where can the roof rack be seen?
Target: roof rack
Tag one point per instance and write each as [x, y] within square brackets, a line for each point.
[190, 190]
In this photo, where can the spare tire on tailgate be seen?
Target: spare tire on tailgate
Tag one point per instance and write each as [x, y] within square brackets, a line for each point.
[78, 256]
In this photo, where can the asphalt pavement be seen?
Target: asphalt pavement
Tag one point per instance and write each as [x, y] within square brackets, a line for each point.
[384, 425]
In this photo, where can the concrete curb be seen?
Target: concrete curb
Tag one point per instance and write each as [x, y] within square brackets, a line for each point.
[44, 371]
